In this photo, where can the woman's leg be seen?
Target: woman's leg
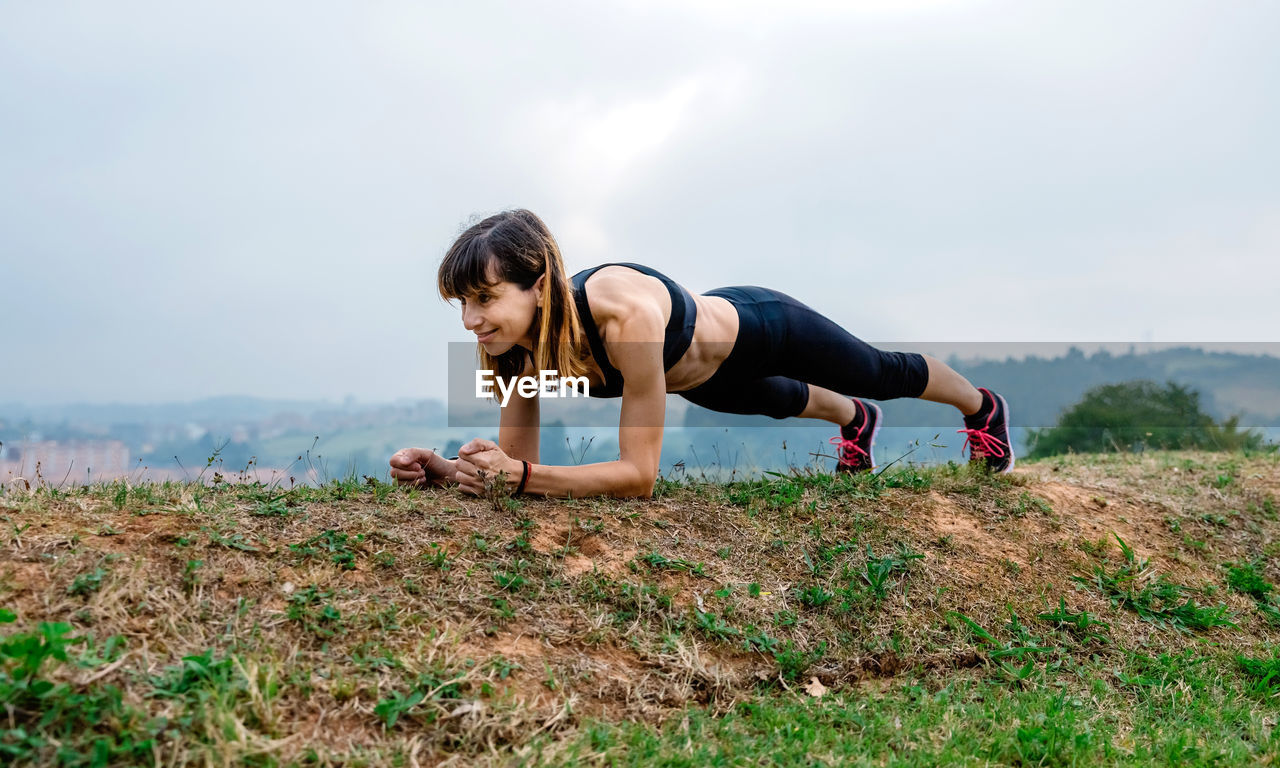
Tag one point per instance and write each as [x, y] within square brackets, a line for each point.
[774, 396]
[778, 396]
[783, 342]
[810, 351]
[793, 340]
[790, 360]
[945, 386]
[828, 405]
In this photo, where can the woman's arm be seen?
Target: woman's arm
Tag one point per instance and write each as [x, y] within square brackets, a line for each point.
[519, 423]
[644, 403]
[632, 349]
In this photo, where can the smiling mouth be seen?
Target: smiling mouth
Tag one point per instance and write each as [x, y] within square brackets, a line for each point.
[487, 336]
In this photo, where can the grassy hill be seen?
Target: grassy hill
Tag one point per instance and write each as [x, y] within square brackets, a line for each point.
[1092, 608]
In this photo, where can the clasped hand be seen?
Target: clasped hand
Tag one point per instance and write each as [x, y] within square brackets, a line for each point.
[478, 462]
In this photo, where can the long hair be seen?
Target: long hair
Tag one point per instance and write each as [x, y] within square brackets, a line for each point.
[516, 246]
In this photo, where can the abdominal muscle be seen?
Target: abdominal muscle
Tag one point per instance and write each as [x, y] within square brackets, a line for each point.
[714, 331]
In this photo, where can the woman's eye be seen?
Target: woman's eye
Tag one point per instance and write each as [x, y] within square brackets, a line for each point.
[483, 298]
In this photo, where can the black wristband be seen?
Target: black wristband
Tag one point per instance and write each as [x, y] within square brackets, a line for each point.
[523, 478]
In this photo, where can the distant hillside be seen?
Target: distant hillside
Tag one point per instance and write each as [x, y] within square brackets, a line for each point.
[360, 436]
[1040, 389]
[1230, 383]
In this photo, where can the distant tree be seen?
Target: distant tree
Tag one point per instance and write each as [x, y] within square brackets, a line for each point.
[1135, 415]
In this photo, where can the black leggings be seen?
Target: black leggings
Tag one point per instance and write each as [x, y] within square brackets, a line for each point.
[784, 346]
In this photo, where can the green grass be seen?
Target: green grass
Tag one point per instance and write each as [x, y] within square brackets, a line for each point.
[87, 583]
[335, 545]
[660, 562]
[50, 721]
[777, 490]
[218, 625]
[1129, 586]
[1146, 710]
[1174, 711]
[1247, 578]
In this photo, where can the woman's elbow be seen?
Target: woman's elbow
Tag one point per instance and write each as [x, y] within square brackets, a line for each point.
[632, 481]
[639, 486]
[635, 493]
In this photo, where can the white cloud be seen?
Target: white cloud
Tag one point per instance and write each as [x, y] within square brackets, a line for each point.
[592, 143]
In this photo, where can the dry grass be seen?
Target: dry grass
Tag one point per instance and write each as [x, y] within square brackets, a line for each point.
[520, 622]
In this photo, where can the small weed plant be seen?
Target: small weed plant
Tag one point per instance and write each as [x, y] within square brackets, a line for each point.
[333, 543]
[1133, 586]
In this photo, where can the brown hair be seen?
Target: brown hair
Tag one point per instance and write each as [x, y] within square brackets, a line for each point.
[516, 246]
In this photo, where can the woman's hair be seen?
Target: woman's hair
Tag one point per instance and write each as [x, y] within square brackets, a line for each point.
[516, 246]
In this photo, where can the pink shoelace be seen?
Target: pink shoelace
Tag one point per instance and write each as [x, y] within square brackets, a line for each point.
[982, 442]
[849, 450]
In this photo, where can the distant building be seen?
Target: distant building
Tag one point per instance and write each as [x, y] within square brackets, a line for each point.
[96, 459]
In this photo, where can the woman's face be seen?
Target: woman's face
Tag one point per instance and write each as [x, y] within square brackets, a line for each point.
[501, 315]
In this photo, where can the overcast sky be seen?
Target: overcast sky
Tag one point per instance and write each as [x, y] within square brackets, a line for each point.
[252, 198]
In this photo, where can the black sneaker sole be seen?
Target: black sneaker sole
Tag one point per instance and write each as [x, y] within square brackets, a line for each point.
[1004, 405]
[875, 432]
[871, 449]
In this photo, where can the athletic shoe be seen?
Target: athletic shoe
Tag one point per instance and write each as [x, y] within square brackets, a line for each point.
[987, 433]
[857, 438]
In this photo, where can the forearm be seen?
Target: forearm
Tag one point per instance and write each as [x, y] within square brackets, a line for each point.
[520, 443]
[607, 478]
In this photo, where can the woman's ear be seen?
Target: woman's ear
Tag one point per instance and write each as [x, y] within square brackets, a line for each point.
[538, 286]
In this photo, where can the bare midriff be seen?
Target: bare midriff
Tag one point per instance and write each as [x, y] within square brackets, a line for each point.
[714, 330]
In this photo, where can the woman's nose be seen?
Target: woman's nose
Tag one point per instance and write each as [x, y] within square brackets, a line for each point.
[470, 318]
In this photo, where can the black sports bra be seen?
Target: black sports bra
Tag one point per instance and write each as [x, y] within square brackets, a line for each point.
[675, 343]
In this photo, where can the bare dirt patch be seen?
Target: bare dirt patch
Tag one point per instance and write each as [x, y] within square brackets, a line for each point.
[559, 611]
[582, 553]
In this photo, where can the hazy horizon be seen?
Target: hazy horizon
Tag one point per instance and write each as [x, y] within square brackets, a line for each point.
[968, 352]
[202, 199]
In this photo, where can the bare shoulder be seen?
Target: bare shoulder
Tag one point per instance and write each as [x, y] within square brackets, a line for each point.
[623, 296]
